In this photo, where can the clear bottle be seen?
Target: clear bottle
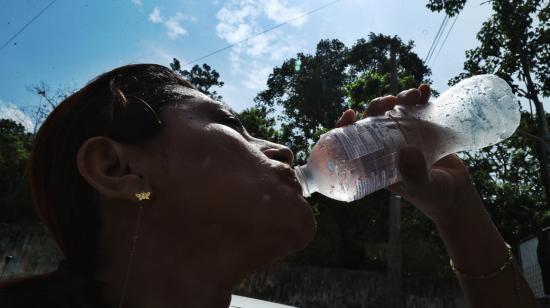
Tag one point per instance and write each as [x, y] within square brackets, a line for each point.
[350, 162]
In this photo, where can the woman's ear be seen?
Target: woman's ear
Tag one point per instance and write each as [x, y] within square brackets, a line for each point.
[107, 166]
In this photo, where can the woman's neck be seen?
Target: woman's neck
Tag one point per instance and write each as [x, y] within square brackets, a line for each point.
[169, 289]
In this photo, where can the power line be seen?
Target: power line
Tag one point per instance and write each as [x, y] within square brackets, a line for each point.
[437, 37]
[445, 40]
[27, 24]
[263, 32]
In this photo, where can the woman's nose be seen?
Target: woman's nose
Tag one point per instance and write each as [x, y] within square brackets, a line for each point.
[280, 153]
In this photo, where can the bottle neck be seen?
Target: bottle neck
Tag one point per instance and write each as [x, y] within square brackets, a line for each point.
[303, 175]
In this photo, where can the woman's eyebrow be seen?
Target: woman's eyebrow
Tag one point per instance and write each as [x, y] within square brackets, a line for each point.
[219, 106]
[230, 110]
[175, 101]
[233, 112]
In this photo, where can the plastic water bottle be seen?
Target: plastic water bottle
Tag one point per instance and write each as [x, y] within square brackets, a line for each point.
[350, 162]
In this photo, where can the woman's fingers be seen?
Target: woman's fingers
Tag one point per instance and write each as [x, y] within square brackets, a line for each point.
[348, 117]
[424, 93]
[409, 97]
[451, 161]
[380, 105]
[416, 180]
[413, 169]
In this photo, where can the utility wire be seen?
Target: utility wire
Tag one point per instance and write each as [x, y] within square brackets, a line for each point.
[435, 42]
[445, 40]
[27, 24]
[263, 32]
[436, 38]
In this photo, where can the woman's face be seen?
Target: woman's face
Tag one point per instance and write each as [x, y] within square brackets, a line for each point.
[217, 188]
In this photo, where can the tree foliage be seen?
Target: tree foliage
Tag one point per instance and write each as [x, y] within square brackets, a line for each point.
[507, 178]
[48, 99]
[15, 146]
[312, 97]
[259, 124]
[371, 85]
[451, 7]
[203, 78]
[332, 80]
[514, 43]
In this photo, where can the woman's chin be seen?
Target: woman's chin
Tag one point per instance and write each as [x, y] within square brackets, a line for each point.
[305, 228]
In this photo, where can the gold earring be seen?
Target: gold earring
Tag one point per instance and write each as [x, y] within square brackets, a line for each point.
[143, 195]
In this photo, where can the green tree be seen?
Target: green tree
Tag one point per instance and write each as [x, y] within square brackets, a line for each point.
[451, 7]
[371, 85]
[333, 79]
[312, 97]
[15, 146]
[203, 78]
[48, 100]
[506, 176]
[258, 123]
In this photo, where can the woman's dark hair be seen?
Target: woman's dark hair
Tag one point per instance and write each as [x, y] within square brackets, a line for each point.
[121, 104]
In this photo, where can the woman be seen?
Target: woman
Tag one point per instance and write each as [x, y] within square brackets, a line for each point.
[158, 197]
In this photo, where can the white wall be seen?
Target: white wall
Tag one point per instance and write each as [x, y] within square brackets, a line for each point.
[530, 266]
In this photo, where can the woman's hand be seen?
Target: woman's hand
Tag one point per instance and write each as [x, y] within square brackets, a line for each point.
[446, 194]
[440, 191]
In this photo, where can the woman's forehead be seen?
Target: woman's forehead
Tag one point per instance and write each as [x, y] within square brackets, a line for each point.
[196, 101]
[182, 91]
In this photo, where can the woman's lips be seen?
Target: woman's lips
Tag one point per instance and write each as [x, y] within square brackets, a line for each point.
[288, 175]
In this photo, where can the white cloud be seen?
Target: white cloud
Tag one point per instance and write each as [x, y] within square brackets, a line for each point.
[257, 76]
[173, 26]
[162, 55]
[259, 45]
[240, 19]
[235, 61]
[279, 11]
[12, 112]
[233, 33]
[137, 2]
[253, 60]
[155, 17]
[181, 16]
[174, 29]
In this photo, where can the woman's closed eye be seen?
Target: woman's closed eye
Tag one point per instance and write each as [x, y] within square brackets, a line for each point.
[233, 123]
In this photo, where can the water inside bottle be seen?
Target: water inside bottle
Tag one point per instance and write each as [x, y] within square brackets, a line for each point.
[350, 162]
[362, 158]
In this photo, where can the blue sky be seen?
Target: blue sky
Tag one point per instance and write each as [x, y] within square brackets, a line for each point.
[74, 41]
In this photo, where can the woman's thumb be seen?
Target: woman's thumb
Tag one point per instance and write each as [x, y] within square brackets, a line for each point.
[413, 169]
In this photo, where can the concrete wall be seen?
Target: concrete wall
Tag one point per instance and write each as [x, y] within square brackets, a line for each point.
[34, 252]
[304, 286]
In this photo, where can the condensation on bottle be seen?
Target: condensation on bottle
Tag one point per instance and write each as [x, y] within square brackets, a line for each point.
[350, 162]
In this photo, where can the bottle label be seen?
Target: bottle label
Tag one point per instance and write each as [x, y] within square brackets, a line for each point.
[360, 140]
[371, 147]
[378, 178]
